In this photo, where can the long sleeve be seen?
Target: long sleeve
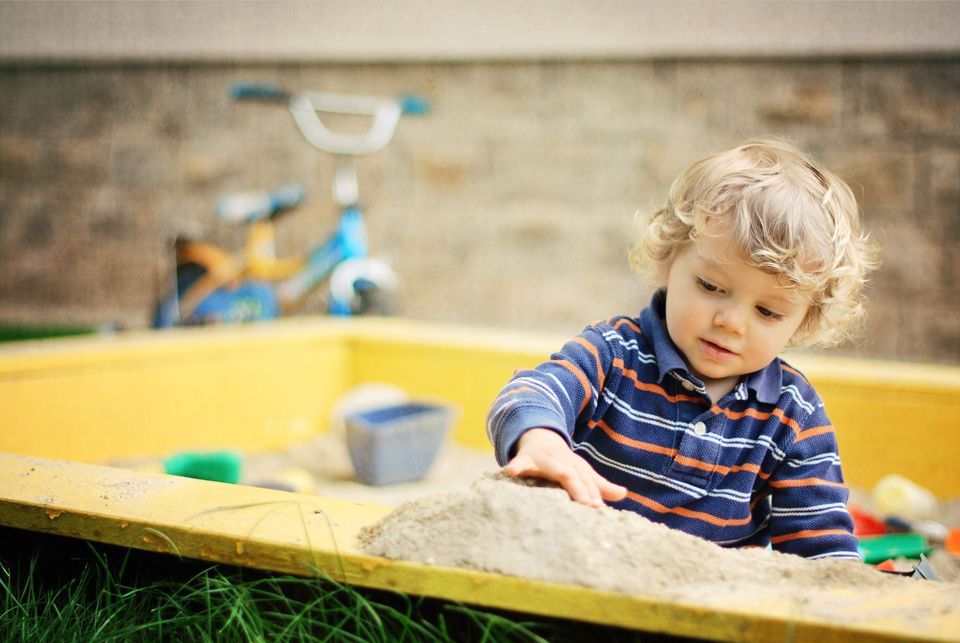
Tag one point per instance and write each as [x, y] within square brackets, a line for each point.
[556, 395]
[809, 515]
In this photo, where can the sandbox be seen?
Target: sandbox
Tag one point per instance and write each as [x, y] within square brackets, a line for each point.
[68, 407]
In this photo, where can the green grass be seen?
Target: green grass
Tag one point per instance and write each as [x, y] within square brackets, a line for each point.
[59, 589]
[19, 332]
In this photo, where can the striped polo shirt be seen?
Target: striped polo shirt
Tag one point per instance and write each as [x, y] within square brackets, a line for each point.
[757, 467]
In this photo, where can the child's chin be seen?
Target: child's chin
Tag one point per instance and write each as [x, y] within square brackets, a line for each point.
[714, 372]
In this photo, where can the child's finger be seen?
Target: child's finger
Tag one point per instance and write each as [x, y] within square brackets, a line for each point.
[579, 489]
[557, 470]
[521, 465]
[584, 480]
[609, 490]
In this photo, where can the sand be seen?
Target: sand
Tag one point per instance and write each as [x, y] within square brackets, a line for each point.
[326, 460]
[532, 530]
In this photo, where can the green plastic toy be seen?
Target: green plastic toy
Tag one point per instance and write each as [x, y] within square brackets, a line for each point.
[881, 548]
[218, 466]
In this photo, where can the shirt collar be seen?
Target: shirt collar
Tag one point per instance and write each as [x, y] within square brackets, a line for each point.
[654, 327]
[765, 383]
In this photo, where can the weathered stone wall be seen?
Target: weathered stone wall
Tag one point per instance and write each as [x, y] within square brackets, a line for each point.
[511, 204]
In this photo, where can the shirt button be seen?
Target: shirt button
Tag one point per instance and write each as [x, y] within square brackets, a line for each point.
[687, 384]
[699, 428]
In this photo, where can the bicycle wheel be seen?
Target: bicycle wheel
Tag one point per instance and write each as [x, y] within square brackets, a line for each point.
[363, 287]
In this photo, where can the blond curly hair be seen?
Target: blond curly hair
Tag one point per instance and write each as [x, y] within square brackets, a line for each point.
[787, 216]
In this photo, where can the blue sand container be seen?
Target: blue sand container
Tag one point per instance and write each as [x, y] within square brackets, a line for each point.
[396, 443]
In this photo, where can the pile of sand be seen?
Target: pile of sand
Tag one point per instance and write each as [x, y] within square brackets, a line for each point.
[527, 529]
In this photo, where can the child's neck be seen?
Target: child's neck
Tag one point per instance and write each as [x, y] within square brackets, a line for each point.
[717, 389]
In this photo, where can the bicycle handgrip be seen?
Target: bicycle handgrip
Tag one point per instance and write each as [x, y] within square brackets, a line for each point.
[413, 105]
[259, 91]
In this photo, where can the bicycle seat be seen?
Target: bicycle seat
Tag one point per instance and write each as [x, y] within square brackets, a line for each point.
[248, 207]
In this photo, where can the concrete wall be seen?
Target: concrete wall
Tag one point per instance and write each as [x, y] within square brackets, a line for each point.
[469, 30]
[510, 205]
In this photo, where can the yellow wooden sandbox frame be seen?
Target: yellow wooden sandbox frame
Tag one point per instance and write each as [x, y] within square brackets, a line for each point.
[66, 406]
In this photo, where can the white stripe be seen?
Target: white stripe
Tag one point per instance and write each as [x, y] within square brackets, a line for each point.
[794, 392]
[542, 388]
[691, 490]
[832, 458]
[494, 418]
[631, 345]
[819, 510]
[657, 421]
[561, 387]
[837, 554]
[593, 391]
[828, 505]
[731, 494]
[805, 514]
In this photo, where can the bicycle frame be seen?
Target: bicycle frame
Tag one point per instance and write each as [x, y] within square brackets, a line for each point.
[213, 286]
[349, 241]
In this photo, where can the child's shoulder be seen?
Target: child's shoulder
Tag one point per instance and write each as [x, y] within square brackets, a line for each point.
[795, 389]
[623, 325]
[791, 374]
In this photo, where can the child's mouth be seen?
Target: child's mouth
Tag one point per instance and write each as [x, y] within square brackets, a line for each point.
[716, 351]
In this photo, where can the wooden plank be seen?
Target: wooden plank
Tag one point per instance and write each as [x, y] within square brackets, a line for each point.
[147, 394]
[306, 535]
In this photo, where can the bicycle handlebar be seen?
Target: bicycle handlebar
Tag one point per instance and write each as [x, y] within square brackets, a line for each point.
[413, 105]
[307, 106]
[259, 91]
[410, 104]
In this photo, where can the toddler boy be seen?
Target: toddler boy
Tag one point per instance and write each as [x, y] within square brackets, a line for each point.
[685, 414]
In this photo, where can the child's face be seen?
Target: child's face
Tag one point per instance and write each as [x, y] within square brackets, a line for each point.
[727, 318]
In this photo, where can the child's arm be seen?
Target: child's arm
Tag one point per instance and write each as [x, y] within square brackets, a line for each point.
[809, 513]
[532, 422]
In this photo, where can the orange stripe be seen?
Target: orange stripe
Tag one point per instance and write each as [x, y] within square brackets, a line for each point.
[627, 322]
[687, 513]
[596, 356]
[808, 533]
[684, 460]
[653, 388]
[584, 382]
[805, 482]
[519, 389]
[788, 421]
[790, 369]
[706, 466]
[757, 415]
[809, 433]
[637, 444]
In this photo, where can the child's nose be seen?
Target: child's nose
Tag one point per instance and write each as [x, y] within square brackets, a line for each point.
[730, 318]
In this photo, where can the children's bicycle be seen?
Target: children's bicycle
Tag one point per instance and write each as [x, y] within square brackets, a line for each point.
[210, 285]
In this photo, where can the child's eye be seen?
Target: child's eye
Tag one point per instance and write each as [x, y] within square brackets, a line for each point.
[706, 285]
[769, 314]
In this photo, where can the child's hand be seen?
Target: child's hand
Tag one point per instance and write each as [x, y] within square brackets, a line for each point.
[541, 453]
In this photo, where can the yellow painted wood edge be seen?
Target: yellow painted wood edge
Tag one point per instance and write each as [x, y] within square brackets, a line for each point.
[309, 535]
[539, 345]
[103, 350]
[17, 356]
[886, 374]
